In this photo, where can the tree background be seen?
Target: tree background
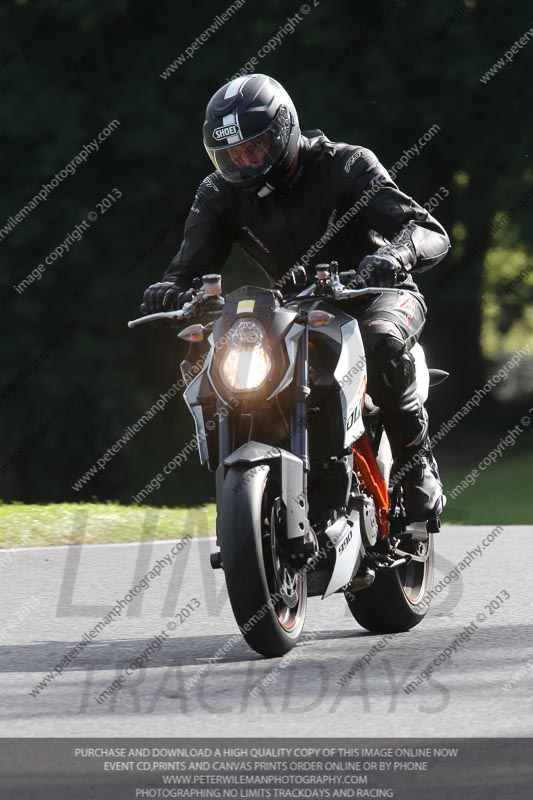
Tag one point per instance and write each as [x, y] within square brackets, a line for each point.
[377, 74]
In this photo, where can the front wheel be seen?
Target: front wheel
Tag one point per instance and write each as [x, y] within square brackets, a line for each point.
[398, 599]
[267, 594]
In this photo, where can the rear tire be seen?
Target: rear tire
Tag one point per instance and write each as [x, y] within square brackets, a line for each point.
[267, 595]
[395, 601]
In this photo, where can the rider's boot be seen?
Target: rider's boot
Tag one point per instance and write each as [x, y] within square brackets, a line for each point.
[416, 468]
[406, 423]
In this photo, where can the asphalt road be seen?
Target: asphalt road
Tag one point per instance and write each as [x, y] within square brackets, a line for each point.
[52, 596]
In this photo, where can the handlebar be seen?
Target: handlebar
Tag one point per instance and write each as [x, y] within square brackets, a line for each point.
[348, 277]
[340, 292]
[352, 276]
[193, 309]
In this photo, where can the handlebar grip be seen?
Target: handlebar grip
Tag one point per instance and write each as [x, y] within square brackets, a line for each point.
[351, 278]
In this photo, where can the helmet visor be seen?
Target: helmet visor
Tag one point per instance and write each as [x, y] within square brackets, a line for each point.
[246, 161]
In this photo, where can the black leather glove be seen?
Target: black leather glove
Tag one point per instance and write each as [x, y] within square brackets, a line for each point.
[163, 296]
[380, 270]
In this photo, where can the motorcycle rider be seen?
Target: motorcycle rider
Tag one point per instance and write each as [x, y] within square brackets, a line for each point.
[287, 199]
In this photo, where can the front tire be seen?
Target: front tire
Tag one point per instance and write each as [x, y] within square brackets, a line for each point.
[397, 600]
[267, 594]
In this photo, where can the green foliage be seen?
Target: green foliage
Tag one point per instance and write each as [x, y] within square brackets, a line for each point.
[501, 496]
[508, 297]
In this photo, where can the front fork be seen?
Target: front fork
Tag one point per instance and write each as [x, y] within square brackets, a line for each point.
[301, 548]
[298, 428]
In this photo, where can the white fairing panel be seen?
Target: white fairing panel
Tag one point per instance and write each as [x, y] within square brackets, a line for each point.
[348, 552]
[384, 457]
[350, 374]
[190, 396]
[422, 372]
[291, 343]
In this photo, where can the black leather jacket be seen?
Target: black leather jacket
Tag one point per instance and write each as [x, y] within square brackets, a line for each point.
[341, 204]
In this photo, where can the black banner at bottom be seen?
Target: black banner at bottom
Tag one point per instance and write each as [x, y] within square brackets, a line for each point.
[291, 769]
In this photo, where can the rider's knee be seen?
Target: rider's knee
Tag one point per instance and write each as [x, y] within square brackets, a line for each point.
[383, 341]
[392, 377]
[400, 373]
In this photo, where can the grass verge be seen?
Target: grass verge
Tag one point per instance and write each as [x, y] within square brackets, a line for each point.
[501, 495]
[92, 523]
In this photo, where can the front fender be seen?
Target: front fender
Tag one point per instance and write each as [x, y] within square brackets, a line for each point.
[289, 471]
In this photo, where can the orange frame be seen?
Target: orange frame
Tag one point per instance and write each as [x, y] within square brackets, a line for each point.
[372, 480]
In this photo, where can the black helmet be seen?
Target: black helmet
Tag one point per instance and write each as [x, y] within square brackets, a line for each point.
[251, 132]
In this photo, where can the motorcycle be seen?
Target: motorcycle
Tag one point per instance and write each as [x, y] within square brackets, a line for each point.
[306, 504]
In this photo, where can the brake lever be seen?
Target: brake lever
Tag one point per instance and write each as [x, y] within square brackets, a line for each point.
[198, 306]
[168, 316]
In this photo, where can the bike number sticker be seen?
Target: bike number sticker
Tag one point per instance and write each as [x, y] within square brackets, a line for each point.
[245, 306]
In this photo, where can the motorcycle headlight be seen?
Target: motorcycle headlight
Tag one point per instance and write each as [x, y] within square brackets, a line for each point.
[246, 364]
